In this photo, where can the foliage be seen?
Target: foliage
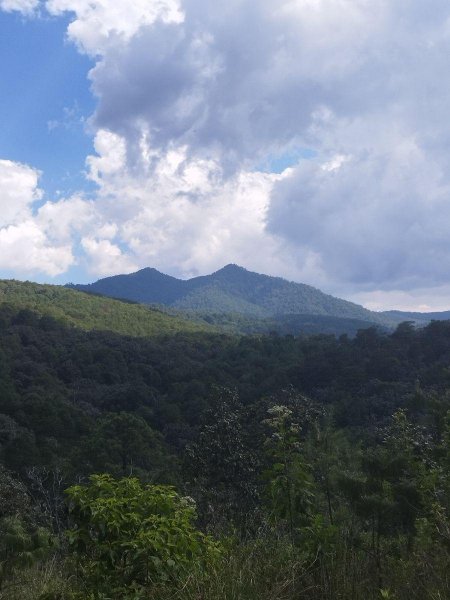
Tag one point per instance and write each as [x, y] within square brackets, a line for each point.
[354, 460]
[127, 535]
[289, 481]
[19, 546]
[125, 444]
[221, 467]
[87, 311]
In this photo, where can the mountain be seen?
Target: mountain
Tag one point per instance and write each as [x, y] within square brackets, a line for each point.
[147, 286]
[93, 312]
[417, 317]
[232, 289]
[236, 323]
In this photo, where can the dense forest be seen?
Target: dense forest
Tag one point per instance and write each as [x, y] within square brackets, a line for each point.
[199, 465]
[239, 301]
[88, 311]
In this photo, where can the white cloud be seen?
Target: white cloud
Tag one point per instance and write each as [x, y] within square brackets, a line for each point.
[106, 258]
[18, 191]
[26, 7]
[110, 156]
[25, 249]
[100, 23]
[432, 299]
[64, 220]
[26, 242]
[193, 96]
[181, 215]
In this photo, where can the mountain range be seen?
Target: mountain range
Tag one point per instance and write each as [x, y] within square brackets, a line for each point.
[245, 301]
[231, 289]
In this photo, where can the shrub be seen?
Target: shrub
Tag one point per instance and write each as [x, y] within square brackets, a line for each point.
[128, 536]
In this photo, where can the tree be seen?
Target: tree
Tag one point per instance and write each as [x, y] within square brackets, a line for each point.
[123, 444]
[128, 536]
[221, 466]
[22, 541]
[289, 480]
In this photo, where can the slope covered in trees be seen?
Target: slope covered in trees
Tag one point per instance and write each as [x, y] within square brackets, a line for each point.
[239, 301]
[417, 317]
[231, 289]
[92, 312]
[61, 385]
[318, 466]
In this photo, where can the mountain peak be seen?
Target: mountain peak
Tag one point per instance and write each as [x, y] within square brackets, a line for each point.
[232, 267]
[231, 289]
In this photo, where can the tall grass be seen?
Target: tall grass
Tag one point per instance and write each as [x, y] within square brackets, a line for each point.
[50, 579]
[270, 569]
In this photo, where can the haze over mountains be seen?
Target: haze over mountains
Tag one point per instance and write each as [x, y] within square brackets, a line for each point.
[264, 301]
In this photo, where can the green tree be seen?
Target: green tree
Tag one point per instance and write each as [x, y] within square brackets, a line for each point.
[289, 480]
[128, 536]
[124, 444]
[22, 541]
[223, 469]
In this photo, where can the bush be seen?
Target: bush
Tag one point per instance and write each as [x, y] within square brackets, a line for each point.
[128, 536]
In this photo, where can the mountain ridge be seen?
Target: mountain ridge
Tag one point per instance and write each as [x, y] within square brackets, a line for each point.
[234, 290]
[229, 289]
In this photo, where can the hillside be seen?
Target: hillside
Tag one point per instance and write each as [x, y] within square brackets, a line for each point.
[243, 324]
[91, 312]
[216, 416]
[232, 289]
[417, 317]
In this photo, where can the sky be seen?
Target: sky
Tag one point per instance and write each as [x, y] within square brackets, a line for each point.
[308, 139]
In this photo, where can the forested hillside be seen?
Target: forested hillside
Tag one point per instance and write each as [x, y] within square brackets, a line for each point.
[232, 289]
[318, 466]
[290, 324]
[92, 312]
[417, 317]
[66, 379]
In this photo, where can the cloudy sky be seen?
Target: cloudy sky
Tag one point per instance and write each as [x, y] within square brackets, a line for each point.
[303, 138]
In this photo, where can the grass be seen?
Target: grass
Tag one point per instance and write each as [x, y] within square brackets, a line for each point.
[269, 569]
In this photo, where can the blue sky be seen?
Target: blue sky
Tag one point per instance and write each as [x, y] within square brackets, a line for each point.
[44, 80]
[302, 138]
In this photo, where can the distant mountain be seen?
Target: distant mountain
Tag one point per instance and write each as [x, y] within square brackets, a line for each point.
[417, 317]
[237, 323]
[232, 289]
[147, 286]
[92, 312]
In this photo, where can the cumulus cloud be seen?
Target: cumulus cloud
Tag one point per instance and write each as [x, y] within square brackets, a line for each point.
[229, 85]
[106, 258]
[18, 190]
[100, 24]
[181, 212]
[194, 96]
[33, 238]
[25, 248]
[378, 218]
